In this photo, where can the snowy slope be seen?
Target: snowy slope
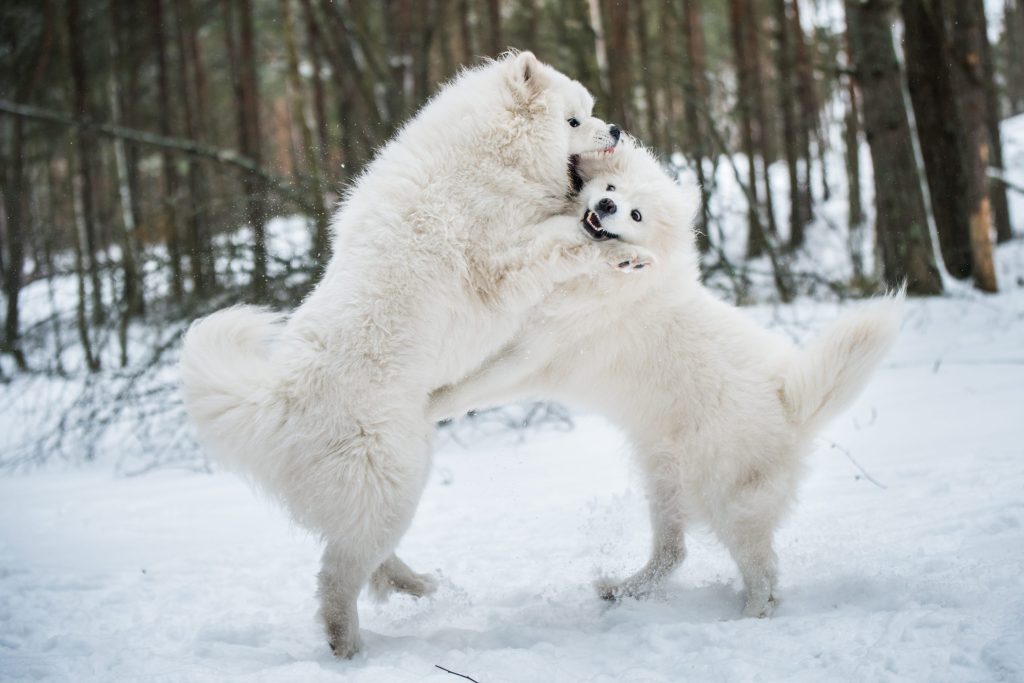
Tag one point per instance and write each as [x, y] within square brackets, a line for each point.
[188, 577]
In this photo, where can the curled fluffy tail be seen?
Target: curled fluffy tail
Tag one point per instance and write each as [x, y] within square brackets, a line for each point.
[227, 379]
[832, 369]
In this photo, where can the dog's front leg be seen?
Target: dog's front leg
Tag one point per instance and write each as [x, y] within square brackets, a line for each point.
[564, 251]
[664, 497]
[504, 378]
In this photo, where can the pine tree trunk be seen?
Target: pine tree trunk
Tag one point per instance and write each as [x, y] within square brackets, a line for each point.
[938, 128]
[787, 100]
[310, 158]
[763, 137]
[494, 39]
[620, 78]
[468, 51]
[425, 35]
[169, 198]
[128, 235]
[86, 153]
[695, 92]
[738, 29]
[646, 68]
[969, 81]
[997, 190]
[197, 242]
[16, 190]
[79, 239]
[810, 119]
[243, 69]
[851, 134]
[319, 99]
[15, 195]
[1013, 30]
[900, 224]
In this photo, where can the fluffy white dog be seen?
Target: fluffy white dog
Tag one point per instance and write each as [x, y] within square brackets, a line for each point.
[720, 410]
[439, 252]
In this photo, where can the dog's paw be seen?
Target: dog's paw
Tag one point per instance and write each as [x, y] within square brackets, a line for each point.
[759, 608]
[393, 577]
[628, 258]
[418, 586]
[614, 591]
[607, 590]
[345, 642]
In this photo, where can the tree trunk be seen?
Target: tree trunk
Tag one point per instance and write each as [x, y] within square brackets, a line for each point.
[16, 190]
[620, 78]
[427, 22]
[809, 111]
[997, 190]
[466, 44]
[319, 99]
[241, 55]
[79, 238]
[197, 241]
[494, 40]
[310, 158]
[695, 92]
[763, 138]
[133, 286]
[938, 128]
[855, 214]
[738, 22]
[901, 224]
[851, 133]
[597, 23]
[969, 80]
[86, 154]
[646, 68]
[1013, 29]
[169, 198]
[787, 97]
[16, 203]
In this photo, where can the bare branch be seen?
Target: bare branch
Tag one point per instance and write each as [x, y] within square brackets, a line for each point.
[223, 156]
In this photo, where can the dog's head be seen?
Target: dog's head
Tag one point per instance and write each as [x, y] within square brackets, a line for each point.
[629, 196]
[563, 107]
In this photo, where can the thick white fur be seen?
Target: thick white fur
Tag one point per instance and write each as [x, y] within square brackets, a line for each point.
[454, 232]
[720, 410]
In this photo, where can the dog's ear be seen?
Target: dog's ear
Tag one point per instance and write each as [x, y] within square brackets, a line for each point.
[527, 74]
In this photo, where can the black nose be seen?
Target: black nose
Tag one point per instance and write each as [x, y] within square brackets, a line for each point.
[615, 132]
[606, 207]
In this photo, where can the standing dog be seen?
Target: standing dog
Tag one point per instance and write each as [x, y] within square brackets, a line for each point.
[720, 410]
[440, 249]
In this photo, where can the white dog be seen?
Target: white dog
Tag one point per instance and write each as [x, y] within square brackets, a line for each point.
[720, 410]
[439, 252]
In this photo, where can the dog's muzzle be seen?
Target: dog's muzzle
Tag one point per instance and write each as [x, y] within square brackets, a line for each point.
[592, 226]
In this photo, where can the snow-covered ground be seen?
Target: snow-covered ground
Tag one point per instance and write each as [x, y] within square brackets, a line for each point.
[904, 560]
[181, 576]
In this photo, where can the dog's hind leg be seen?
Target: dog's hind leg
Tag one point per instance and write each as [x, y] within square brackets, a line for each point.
[343, 572]
[748, 536]
[664, 491]
[383, 479]
[395, 576]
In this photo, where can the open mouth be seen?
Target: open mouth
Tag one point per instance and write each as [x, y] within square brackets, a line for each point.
[592, 225]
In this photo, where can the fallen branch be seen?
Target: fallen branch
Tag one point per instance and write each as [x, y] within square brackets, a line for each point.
[455, 673]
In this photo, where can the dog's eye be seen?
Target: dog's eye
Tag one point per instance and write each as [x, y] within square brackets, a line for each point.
[610, 188]
[574, 122]
[635, 215]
